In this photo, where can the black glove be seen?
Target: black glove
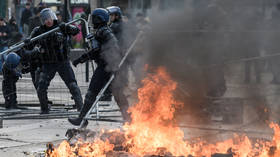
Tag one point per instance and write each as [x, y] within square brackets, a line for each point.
[37, 49]
[62, 27]
[76, 62]
[18, 73]
[25, 70]
[27, 41]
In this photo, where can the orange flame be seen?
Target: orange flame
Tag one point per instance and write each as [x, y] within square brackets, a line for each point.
[154, 131]
[151, 127]
[97, 148]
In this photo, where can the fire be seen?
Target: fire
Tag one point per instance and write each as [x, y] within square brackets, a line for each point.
[152, 118]
[153, 131]
[97, 148]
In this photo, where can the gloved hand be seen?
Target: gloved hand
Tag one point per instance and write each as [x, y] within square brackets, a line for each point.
[25, 71]
[27, 41]
[76, 62]
[62, 27]
[18, 74]
[37, 49]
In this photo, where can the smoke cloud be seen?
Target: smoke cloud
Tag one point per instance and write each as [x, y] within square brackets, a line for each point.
[193, 41]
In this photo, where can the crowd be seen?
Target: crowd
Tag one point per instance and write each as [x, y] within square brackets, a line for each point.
[12, 32]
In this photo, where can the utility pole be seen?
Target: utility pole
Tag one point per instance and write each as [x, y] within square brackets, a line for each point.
[66, 10]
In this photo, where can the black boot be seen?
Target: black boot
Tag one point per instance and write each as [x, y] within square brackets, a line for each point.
[43, 99]
[78, 121]
[45, 111]
[11, 102]
[50, 102]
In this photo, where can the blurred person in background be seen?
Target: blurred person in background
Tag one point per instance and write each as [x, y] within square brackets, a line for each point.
[4, 35]
[34, 21]
[24, 22]
[15, 35]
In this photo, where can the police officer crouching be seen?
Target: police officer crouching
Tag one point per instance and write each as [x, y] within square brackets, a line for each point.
[104, 47]
[11, 74]
[54, 53]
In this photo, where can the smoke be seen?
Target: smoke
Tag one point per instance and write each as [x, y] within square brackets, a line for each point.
[193, 41]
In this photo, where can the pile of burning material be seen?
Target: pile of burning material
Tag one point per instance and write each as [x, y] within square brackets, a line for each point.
[153, 132]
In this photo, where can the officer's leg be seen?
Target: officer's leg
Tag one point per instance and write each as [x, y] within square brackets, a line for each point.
[120, 82]
[33, 77]
[47, 74]
[98, 81]
[67, 74]
[9, 89]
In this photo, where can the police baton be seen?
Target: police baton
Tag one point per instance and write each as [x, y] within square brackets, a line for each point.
[110, 80]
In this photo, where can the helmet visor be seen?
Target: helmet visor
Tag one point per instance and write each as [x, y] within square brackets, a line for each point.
[47, 14]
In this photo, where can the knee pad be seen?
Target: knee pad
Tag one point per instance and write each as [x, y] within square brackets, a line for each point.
[43, 83]
[74, 89]
[73, 86]
[76, 93]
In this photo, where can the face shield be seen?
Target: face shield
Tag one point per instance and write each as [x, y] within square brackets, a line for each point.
[47, 14]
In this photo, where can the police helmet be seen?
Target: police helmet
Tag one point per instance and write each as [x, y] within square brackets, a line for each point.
[12, 60]
[115, 10]
[99, 16]
[46, 14]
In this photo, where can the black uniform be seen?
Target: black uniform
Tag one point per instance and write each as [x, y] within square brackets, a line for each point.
[121, 79]
[105, 47]
[11, 76]
[54, 56]
[117, 29]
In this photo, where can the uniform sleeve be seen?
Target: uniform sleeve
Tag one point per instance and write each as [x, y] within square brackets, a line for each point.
[115, 27]
[34, 33]
[93, 54]
[107, 35]
[72, 30]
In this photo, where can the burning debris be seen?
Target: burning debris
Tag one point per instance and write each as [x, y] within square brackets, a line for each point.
[153, 132]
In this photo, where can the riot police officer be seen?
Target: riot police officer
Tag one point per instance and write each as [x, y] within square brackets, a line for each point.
[116, 22]
[104, 48]
[54, 56]
[116, 25]
[10, 77]
[121, 79]
[11, 74]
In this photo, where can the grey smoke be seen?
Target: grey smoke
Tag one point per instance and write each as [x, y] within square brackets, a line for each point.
[189, 40]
